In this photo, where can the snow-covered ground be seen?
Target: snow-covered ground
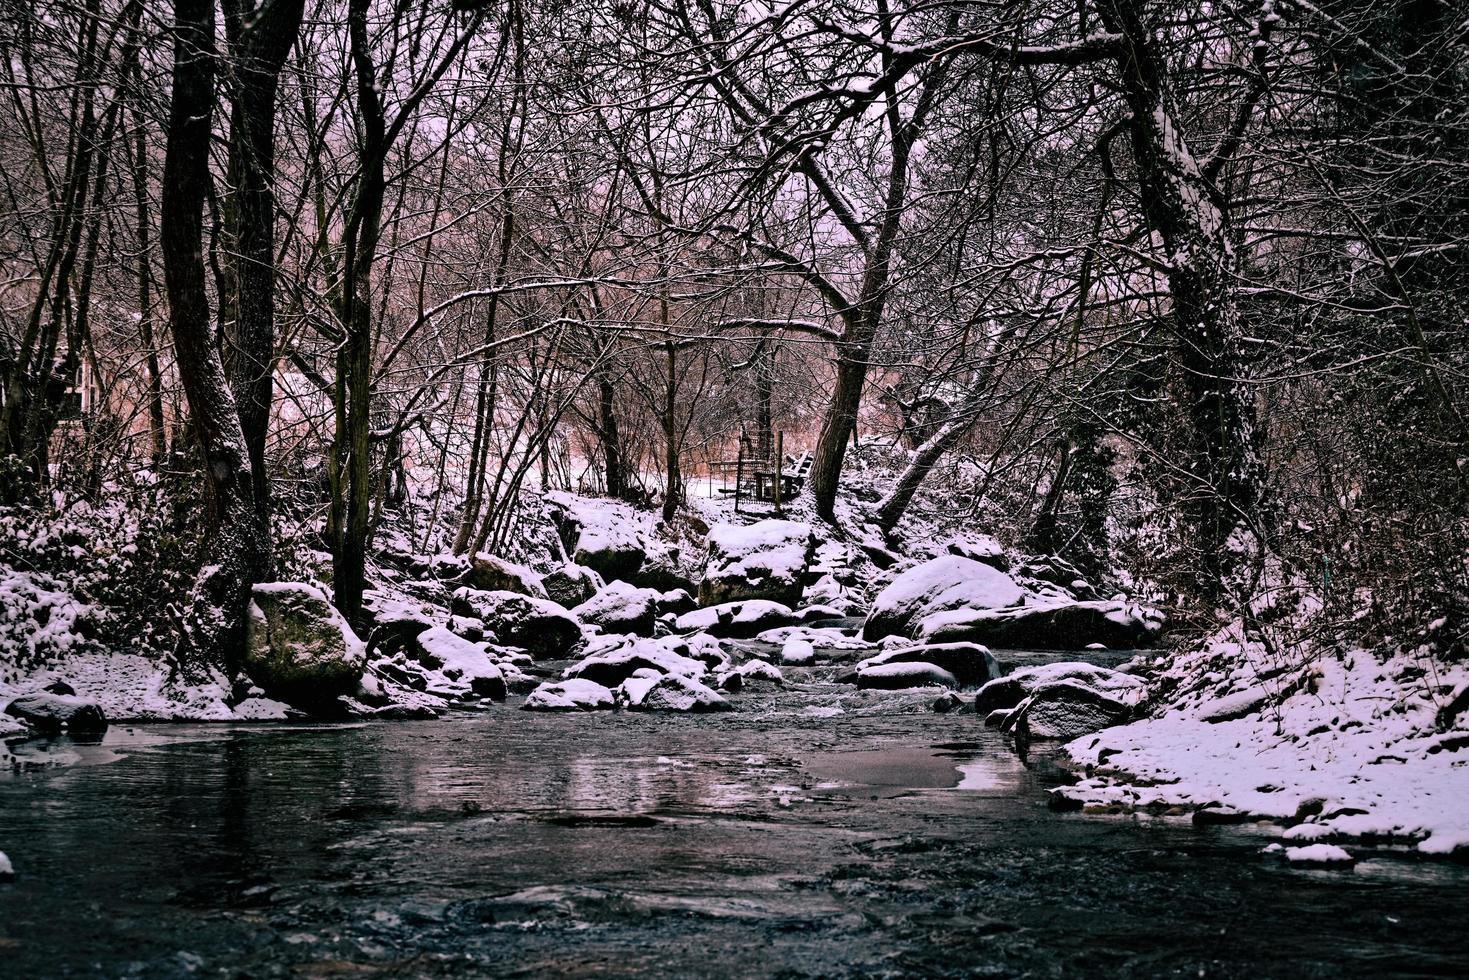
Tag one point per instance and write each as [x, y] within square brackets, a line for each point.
[1343, 748]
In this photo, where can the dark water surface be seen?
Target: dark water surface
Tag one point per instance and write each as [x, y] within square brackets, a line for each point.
[781, 840]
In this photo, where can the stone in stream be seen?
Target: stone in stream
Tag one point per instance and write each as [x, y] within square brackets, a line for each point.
[461, 661]
[298, 647]
[1066, 710]
[7, 870]
[51, 713]
[570, 695]
[738, 620]
[764, 560]
[621, 608]
[797, 652]
[612, 667]
[947, 703]
[670, 692]
[899, 676]
[539, 626]
[1008, 691]
[970, 663]
[750, 670]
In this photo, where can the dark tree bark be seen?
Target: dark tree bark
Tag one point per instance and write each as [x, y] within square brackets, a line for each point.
[673, 490]
[260, 38]
[1186, 211]
[611, 439]
[236, 550]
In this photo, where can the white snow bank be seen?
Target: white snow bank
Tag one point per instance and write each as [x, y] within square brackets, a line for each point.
[1351, 748]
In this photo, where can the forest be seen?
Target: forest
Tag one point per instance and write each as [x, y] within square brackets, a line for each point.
[1080, 382]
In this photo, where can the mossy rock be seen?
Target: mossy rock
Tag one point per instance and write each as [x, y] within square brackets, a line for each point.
[299, 648]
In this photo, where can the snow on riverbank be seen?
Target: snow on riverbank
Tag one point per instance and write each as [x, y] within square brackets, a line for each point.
[1354, 748]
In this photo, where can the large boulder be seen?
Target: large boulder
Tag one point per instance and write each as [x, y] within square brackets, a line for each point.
[943, 584]
[899, 676]
[621, 608]
[52, 713]
[1048, 626]
[1064, 711]
[539, 626]
[661, 569]
[489, 573]
[764, 560]
[740, 620]
[970, 664]
[571, 585]
[1010, 690]
[611, 549]
[298, 647]
[571, 695]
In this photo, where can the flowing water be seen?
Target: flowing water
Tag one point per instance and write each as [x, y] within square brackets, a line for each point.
[819, 831]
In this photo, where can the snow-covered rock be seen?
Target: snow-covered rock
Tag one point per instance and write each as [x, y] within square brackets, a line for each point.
[1066, 710]
[823, 638]
[570, 695]
[540, 626]
[969, 664]
[750, 670]
[1052, 625]
[1355, 744]
[7, 870]
[906, 674]
[601, 534]
[621, 608]
[797, 652]
[298, 647]
[1319, 855]
[571, 585]
[980, 548]
[1010, 690]
[737, 619]
[51, 713]
[943, 584]
[672, 692]
[764, 560]
[611, 668]
[676, 602]
[489, 573]
[461, 661]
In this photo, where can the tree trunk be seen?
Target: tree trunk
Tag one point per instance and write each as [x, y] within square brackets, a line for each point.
[1042, 535]
[1183, 208]
[891, 508]
[236, 548]
[260, 39]
[840, 423]
[673, 489]
[611, 440]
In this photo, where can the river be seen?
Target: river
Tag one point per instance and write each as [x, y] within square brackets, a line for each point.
[816, 832]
